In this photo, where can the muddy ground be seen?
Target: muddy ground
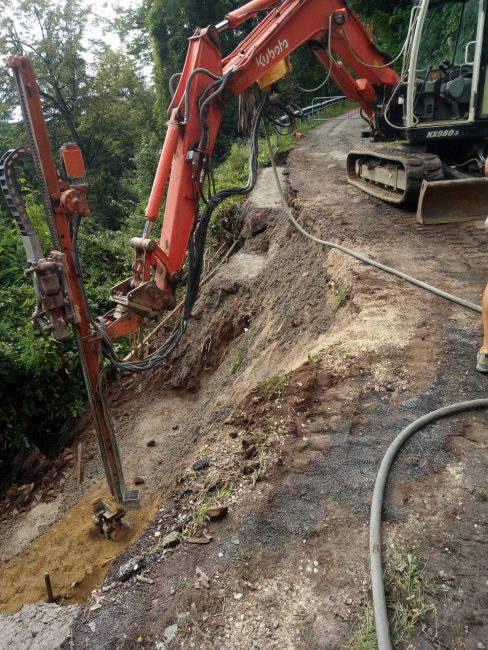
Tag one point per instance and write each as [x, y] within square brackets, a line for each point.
[299, 368]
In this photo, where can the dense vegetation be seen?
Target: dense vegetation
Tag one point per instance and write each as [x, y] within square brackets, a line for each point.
[112, 101]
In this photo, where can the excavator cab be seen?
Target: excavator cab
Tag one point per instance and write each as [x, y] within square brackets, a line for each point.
[447, 107]
[445, 70]
[440, 108]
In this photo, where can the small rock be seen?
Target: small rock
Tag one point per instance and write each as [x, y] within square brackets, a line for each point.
[172, 591]
[144, 579]
[248, 441]
[202, 580]
[170, 632]
[171, 540]
[175, 428]
[444, 576]
[480, 645]
[250, 466]
[217, 512]
[230, 287]
[151, 443]
[203, 463]
[138, 480]
[233, 434]
[237, 596]
[250, 452]
[213, 479]
[129, 568]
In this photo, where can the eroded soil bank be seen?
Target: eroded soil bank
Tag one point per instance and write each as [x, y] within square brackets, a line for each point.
[316, 361]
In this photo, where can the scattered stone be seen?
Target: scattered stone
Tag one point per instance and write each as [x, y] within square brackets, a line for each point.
[250, 452]
[217, 512]
[151, 443]
[481, 646]
[201, 464]
[237, 596]
[172, 591]
[202, 580]
[250, 466]
[236, 541]
[145, 579]
[213, 479]
[170, 632]
[171, 540]
[444, 576]
[197, 540]
[129, 568]
[248, 441]
[109, 587]
[230, 287]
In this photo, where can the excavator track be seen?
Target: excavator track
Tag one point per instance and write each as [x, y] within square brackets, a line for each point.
[392, 175]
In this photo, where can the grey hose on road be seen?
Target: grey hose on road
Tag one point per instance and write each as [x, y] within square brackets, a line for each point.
[359, 256]
[377, 584]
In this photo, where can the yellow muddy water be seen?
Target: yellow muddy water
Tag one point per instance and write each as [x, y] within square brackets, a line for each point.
[72, 552]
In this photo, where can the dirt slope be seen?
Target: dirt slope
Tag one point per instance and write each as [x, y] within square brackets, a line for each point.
[318, 361]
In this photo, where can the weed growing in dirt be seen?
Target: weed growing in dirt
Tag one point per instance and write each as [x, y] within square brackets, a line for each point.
[208, 498]
[270, 388]
[313, 357]
[261, 438]
[365, 636]
[236, 362]
[408, 589]
[342, 296]
[406, 597]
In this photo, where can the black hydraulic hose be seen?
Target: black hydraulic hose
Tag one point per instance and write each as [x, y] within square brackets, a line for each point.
[377, 583]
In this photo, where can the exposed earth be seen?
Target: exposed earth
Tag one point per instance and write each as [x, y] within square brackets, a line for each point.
[298, 369]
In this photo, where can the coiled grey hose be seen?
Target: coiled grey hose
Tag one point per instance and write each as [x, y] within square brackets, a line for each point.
[377, 583]
[358, 256]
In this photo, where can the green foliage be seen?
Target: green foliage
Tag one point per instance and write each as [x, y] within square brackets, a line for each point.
[40, 386]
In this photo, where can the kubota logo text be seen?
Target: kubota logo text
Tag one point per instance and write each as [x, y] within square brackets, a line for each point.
[272, 53]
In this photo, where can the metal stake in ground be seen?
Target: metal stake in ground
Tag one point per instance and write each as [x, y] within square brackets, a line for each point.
[49, 588]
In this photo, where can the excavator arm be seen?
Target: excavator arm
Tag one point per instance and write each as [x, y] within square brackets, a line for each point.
[206, 83]
[331, 27]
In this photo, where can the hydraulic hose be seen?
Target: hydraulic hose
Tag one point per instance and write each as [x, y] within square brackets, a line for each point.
[377, 583]
[359, 256]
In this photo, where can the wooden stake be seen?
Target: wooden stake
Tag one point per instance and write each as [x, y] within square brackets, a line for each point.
[79, 464]
[49, 589]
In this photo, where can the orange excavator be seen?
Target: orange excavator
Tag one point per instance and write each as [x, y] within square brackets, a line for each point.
[437, 108]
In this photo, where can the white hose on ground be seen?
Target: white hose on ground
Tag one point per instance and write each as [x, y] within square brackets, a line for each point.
[377, 583]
